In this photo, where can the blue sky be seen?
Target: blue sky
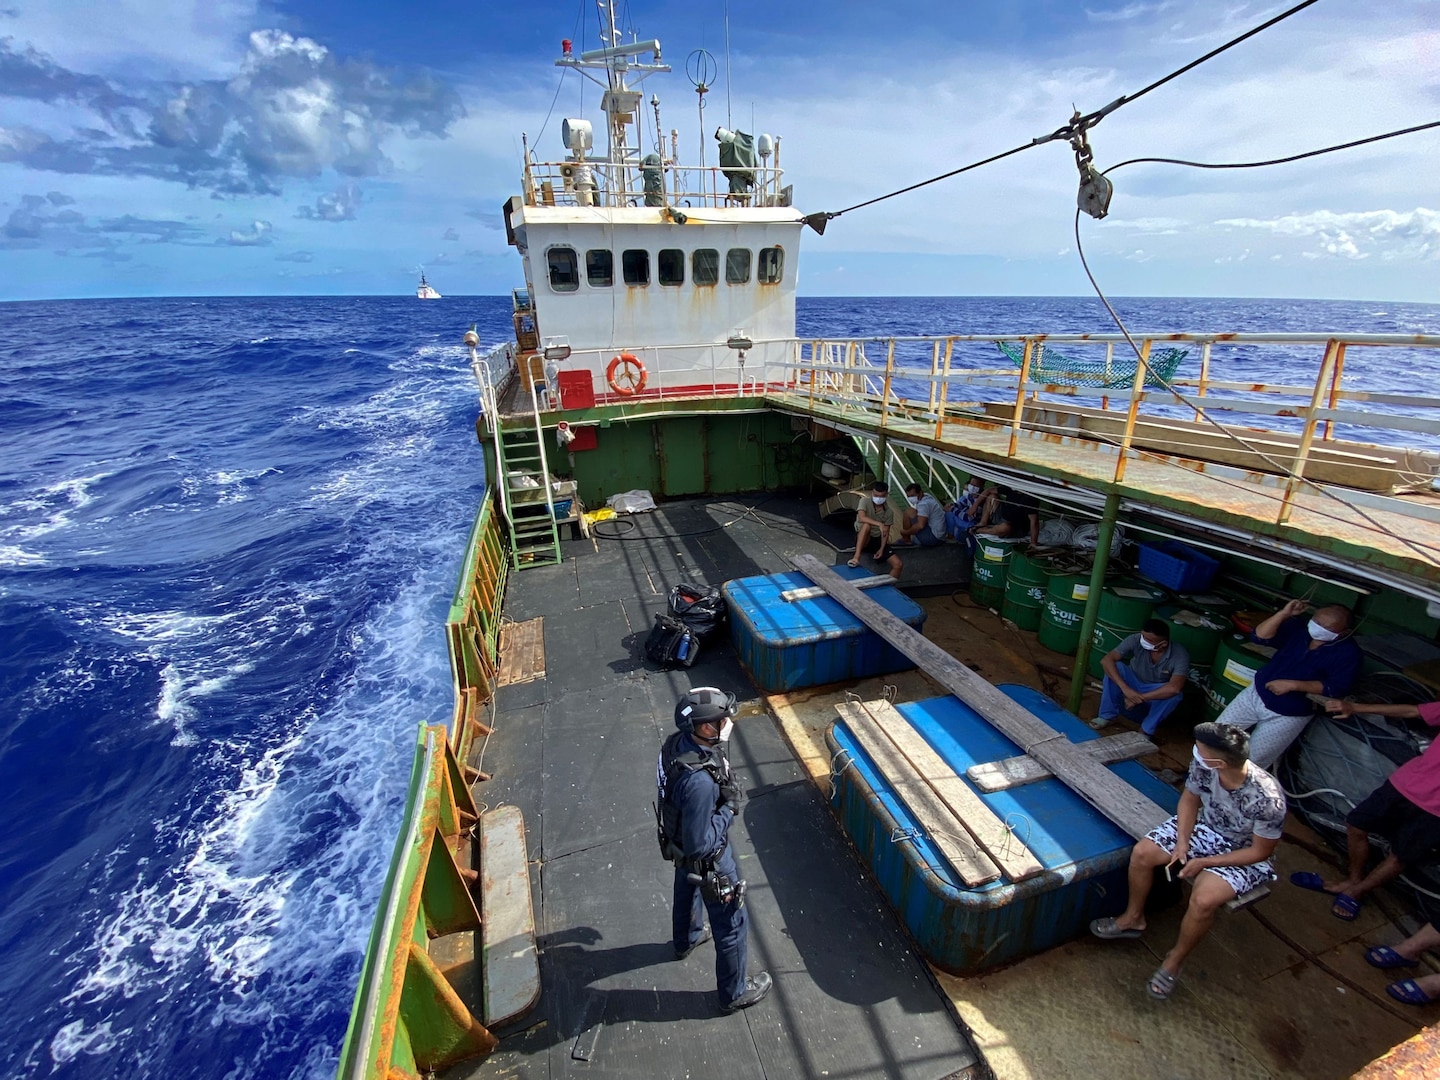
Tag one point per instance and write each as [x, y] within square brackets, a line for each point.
[164, 147]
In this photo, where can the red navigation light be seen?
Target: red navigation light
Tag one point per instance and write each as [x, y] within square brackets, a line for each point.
[565, 46]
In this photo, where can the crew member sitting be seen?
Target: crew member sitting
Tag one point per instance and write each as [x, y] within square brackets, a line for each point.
[1404, 811]
[1019, 516]
[1145, 671]
[1226, 827]
[1314, 656]
[873, 522]
[923, 522]
[964, 511]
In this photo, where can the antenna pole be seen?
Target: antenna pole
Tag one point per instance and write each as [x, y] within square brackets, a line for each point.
[728, 121]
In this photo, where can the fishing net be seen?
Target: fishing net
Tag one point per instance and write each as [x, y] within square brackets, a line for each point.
[1057, 369]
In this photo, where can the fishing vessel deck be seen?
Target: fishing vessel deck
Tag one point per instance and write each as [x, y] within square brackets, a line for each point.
[575, 750]
[1278, 990]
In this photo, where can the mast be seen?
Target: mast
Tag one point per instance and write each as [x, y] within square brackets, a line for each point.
[621, 102]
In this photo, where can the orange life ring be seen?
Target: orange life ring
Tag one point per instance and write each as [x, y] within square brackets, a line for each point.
[634, 374]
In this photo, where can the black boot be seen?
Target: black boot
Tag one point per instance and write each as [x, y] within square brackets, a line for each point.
[756, 987]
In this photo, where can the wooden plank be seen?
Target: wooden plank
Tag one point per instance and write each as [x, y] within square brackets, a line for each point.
[522, 652]
[814, 591]
[933, 817]
[1014, 772]
[989, 831]
[1093, 782]
[507, 921]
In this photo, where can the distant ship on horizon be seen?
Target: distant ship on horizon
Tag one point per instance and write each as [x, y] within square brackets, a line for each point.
[425, 291]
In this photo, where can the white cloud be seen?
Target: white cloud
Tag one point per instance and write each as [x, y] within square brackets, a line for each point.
[337, 205]
[1388, 234]
[1129, 11]
[257, 235]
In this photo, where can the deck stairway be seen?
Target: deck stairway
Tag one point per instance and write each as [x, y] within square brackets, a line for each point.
[526, 496]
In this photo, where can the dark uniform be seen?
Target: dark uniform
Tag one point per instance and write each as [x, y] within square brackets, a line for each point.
[696, 786]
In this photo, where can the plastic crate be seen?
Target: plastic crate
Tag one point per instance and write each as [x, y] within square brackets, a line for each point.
[1177, 566]
[562, 508]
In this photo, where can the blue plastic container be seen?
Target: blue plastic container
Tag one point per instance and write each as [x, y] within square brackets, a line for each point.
[968, 930]
[1177, 566]
[787, 645]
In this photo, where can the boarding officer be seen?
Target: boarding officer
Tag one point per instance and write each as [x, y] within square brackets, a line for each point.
[699, 798]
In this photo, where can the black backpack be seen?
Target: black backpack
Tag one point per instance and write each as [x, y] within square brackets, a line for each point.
[671, 643]
[702, 609]
[667, 814]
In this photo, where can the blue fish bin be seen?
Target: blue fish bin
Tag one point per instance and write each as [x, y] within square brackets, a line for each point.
[966, 930]
[791, 644]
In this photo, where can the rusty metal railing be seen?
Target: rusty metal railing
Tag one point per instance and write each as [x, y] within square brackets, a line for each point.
[944, 380]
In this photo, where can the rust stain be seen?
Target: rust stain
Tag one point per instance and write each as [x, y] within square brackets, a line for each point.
[1415, 1059]
[1287, 412]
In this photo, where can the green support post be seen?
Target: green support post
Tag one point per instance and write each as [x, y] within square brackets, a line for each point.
[1092, 602]
[882, 451]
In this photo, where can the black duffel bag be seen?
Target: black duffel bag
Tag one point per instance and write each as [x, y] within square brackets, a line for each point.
[701, 608]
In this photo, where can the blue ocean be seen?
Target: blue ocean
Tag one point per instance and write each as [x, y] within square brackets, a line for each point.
[229, 532]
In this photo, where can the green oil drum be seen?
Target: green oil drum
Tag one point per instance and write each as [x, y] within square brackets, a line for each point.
[1124, 608]
[1198, 630]
[1065, 597]
[988, 570]
[1236, 662]
[1025, 584]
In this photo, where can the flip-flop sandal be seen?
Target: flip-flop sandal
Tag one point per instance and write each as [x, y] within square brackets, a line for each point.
[1110, 930]
[1408, 991]
[1345, 908]
[1385, 958]
[1307, 879]
[1161, 985]
[853, 563]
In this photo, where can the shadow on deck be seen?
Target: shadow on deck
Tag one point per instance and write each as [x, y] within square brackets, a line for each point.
[575, 750]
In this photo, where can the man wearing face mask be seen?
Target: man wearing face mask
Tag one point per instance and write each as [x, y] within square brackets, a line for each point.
[964, 511]
[1312, 656]
[1224, 831]
[1145, 670]
[873, 522]
[699, 797]
[923, 523]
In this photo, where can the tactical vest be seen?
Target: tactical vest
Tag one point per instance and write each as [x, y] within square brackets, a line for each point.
[667, 813]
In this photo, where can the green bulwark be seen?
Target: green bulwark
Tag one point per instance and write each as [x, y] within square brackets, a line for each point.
[711, 447]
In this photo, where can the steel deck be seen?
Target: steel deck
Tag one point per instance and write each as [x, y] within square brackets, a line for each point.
[575, 750]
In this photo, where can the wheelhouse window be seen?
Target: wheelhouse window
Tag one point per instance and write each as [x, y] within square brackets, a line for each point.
[600, 267]
[771, 266]
[635, 265]
[737, 266]
[705, 266]
[670, 265]
[564, 269]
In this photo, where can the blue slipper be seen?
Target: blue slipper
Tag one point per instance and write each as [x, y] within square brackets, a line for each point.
[1345, 908]
[1385, 958]
[1409, 992]
[1305, 879]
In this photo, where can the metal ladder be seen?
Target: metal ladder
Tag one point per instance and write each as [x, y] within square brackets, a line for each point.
[529, 507]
